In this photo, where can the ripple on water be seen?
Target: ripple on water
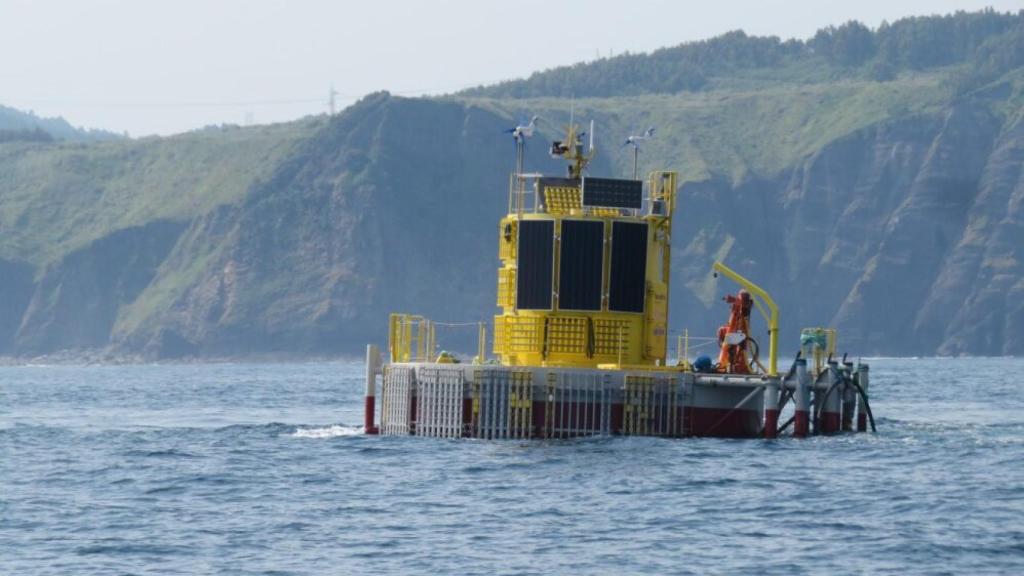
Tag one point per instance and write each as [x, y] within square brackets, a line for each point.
[251, 469]
[333, 431]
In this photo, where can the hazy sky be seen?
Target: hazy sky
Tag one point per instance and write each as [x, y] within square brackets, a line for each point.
[168, 66]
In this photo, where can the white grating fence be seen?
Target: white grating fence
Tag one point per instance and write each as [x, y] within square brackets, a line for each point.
[396, 400]
[503, 404]
[578, 405]
[651, 406]
[439, 402]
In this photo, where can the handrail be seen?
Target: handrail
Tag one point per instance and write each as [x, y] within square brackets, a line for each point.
[772, 318]
[411, 338]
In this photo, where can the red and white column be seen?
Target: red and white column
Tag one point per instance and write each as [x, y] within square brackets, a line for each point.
[372, 367]
[832, 404]
[801, 418]
[849, 396]
[862, 412]
[771, 408]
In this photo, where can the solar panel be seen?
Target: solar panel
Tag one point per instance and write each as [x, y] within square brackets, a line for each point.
[580, 265]
[612, 193]
[628, 280]
[535, 264]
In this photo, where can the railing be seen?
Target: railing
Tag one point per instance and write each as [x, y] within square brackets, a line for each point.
[525, 196]
[411, 338]
[518, 193]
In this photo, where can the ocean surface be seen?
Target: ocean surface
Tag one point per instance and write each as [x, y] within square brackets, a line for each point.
[262, 469]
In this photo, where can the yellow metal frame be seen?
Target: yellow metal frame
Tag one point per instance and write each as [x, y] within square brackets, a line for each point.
[411, 338]
[559, 337]
[761, 299]
[817, 355]
[588, 338]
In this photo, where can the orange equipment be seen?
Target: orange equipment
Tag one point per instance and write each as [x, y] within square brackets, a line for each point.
[733, 337]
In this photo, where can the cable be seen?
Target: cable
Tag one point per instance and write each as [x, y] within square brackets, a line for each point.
[867, 406]
[817, 405]
[194, 104]
[782, 428]
[458, 324]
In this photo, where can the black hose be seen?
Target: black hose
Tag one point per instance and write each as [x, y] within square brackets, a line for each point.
[818, 407]
[755, 358]
[867, 406]
[784, 398]
[782, 428]
[828, 393]
[787, 395]
[792, 367]
[863, 396]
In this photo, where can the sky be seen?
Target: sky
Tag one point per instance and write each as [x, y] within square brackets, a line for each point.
[163, 67]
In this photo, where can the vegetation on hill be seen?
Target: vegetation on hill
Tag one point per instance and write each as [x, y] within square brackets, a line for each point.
[18, 125]
[59, 196]
[985, 44]
[869, 178]
[35, 135]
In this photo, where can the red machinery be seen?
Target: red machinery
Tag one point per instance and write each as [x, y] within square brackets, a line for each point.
[734, 336]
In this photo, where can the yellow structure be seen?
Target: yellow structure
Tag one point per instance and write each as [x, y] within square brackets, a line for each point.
[611, 328]
[584, 275]
[411, 338]
[817, 345]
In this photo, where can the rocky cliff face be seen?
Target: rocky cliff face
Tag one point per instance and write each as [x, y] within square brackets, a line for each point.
[75, 301]
[904, 234]
[383, 210]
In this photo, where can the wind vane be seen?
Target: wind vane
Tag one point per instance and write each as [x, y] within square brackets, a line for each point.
[521, 133]
[635, 141]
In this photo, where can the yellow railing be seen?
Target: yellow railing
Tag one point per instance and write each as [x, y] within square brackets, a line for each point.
[411, 338]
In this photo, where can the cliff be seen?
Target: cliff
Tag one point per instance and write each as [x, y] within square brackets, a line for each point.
[888, 208]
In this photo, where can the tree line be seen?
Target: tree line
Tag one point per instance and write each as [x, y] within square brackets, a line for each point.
[986, 43]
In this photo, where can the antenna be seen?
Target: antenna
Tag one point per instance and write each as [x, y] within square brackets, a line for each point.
[330, 99]
[591, 151]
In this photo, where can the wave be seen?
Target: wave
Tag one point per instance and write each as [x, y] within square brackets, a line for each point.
[332, 431]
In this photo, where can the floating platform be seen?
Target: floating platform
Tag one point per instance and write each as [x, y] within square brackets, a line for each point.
[580, 344]
[444, 400]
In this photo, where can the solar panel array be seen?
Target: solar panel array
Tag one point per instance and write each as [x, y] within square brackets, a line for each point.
[629, 267]
[580, 265]
[535, 267]
[613, 193]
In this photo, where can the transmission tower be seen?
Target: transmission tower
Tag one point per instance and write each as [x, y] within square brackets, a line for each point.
[330, 100]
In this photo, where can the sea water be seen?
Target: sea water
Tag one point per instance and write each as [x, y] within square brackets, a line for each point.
[262, 469]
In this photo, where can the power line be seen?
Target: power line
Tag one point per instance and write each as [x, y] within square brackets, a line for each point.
[168, 104]
[333, 96]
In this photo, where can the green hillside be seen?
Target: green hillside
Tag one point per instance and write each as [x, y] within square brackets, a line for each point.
[60, 196]
[738, 132]
[869, 178]
[16, 125]
[981, 45]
